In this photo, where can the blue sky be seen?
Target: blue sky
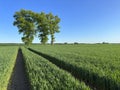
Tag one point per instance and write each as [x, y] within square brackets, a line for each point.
[84, 21]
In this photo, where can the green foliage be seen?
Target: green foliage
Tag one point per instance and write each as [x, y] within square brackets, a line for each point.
[29, 23]
[99, 65]
[42, 27]
[25, 22]
[44, 75]
[7, 61]
[53, 25]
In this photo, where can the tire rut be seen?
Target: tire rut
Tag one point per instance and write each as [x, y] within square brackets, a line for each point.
[18, 80]
[61, 65]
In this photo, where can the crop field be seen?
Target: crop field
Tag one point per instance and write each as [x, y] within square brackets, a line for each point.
[44, 75]
[7, 60]
[64, 67]
[98, 65]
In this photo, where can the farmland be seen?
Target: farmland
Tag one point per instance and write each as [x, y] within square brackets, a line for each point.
[65, 67]
[7, 60]
[98, 65]
[44, 75]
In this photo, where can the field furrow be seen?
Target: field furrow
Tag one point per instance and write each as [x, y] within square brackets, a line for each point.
[44, 75]
[98, 65]
[19, 80]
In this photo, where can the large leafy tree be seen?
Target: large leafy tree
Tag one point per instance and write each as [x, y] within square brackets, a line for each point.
[42, 27]
[30, 24]
[25, 22]
[53, 25]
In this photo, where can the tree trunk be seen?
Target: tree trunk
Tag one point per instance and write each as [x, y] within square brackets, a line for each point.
[52, 39]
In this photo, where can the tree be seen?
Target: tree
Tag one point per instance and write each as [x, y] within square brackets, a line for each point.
[53, 25]
[25, 24]
[30, 24]
[42, 27]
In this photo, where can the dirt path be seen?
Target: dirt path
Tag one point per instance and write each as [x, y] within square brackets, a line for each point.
[18, 79]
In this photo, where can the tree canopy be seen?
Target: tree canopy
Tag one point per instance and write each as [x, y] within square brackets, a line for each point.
[32, 24]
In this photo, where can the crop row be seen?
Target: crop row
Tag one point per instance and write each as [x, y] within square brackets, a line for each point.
[7, 61]
[98, 65]
[43, 75]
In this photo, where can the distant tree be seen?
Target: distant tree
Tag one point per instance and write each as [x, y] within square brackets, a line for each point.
[53, 26]
[65, 43]
[76, 43]
[105, 43]
[25, 24]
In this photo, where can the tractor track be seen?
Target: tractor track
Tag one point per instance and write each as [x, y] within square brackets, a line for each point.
[18, 80]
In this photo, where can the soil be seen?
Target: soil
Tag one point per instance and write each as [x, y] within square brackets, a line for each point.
[18, 79]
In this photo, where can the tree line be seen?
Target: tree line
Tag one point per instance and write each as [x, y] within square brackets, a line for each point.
[32, 24]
